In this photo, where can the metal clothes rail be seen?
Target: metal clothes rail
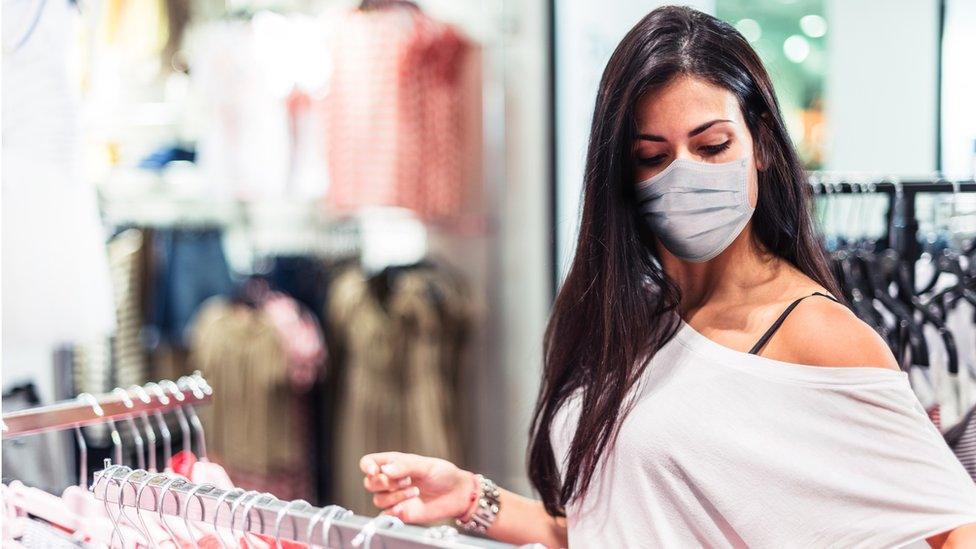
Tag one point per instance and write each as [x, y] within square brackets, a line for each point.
[902, 222]
[120, 404]
[237, 511]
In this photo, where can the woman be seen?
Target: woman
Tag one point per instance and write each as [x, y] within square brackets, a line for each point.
[727, 398]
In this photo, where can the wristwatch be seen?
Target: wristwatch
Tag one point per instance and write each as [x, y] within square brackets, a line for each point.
[486, 511]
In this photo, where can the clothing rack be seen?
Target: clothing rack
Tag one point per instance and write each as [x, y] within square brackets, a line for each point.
[264, 514]
[120, 404]
[901, 220]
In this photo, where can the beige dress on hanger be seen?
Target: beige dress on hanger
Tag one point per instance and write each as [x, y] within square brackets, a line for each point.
[397, 390]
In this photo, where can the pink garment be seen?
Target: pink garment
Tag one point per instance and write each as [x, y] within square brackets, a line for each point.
[301, 337]
[395, 127]
[200, 472]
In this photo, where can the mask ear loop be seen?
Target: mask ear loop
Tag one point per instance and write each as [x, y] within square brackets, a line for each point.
[281, 515]
[186, 509]
[247, 514]
[163, 490]
[220, 501]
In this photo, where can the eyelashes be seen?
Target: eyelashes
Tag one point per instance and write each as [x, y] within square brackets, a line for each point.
[712, 150]
[652, 161]
[707, 150]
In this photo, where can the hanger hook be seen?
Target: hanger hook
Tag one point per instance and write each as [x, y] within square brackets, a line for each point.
[139, 507]
[954, 205]
[365, 536]
[161, 423]
[202, 382]
[186, 509]
[281, 515]
[313, 522]
[82, 457]
[180, 414]
[124, 484]
[220, 501]
[337, 513]
[161, 498]
[107, 473]
[144, 397]
[191, 384]
[156, 389]
[198, 392]
[246, 513]
[118, 517]
[90, 399]
[250, 494]
[136, 436]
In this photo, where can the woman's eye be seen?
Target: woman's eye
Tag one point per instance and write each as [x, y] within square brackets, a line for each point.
[712, 150]
[652, 161]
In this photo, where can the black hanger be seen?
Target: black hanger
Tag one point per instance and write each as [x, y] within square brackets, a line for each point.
[858, 293]
[879, 271]
[930, 316]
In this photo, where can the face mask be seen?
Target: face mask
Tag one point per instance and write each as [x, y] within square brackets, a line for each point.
[697, 209]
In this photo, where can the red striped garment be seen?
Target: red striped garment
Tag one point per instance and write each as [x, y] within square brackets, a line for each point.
[394, 114]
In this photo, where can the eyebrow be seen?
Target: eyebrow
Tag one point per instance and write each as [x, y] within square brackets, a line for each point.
[692, 133]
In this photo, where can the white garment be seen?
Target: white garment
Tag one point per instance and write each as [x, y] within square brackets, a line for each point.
[243, 73]
[728, 449]
[55, 283]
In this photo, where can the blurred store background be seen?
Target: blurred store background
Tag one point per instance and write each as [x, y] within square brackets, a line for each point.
[351, 217]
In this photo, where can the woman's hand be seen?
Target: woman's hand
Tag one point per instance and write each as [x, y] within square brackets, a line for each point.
[417, 489]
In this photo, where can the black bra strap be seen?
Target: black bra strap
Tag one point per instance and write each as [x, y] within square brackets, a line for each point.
[779, 322]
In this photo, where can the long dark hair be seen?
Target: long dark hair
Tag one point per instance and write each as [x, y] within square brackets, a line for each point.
[617, 307]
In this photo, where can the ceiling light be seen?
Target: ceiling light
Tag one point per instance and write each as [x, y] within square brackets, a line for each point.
[796, 48]
[749, 28]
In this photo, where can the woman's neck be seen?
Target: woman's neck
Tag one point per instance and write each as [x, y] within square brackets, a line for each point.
[740, 273]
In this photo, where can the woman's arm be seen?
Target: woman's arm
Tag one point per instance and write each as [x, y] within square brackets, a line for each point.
[522, 520]
[964, 536]
[419, 489]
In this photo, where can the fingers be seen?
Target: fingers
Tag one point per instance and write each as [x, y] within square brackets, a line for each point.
[409, 510]
[370, 463]
[394, 465]
[386, 500]
[383, 483]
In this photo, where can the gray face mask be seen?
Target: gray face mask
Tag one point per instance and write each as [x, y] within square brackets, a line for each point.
[697, 209]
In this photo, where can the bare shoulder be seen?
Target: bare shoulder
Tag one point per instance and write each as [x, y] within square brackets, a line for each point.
[822, 332]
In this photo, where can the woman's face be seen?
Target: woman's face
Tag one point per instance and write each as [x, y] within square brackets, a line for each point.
[695, 120]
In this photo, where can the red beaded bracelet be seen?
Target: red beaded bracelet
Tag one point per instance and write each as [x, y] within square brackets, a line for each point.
[476, 489]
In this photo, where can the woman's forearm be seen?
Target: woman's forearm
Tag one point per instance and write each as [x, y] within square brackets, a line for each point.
[522, 520]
